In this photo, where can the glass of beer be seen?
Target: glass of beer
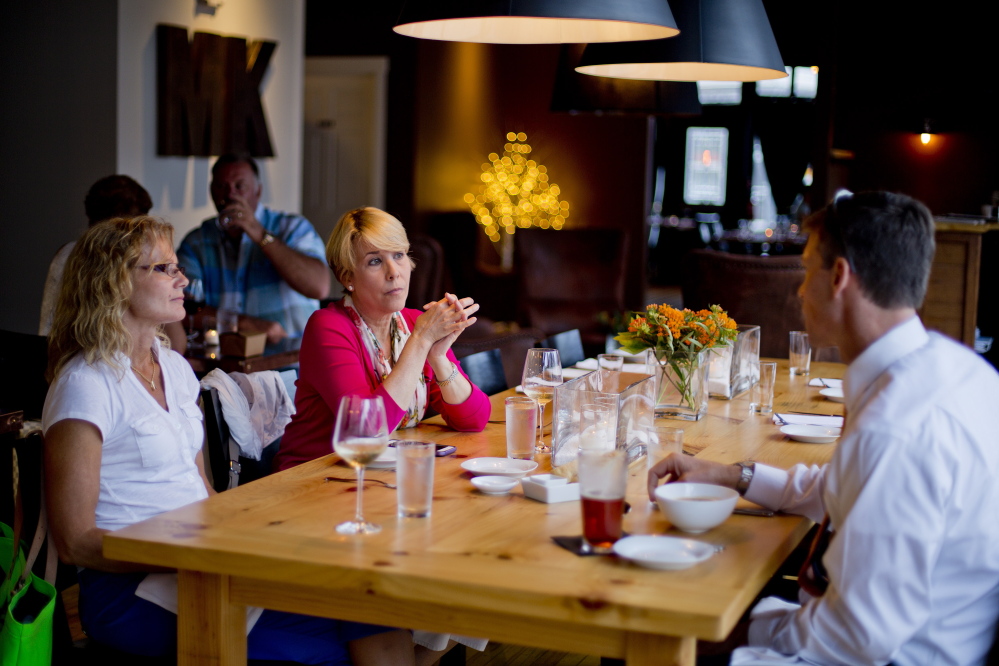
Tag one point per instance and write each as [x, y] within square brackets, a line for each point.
[602, 481]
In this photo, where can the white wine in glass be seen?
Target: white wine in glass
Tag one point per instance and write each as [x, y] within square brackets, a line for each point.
[542, 373]
[359, 436]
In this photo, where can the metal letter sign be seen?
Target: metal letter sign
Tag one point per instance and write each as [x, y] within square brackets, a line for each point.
[208, 94]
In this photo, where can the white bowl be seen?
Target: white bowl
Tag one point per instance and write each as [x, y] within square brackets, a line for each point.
[499, 467]
[663, 552]
[696, 507]
[494, 485]
[811, 434]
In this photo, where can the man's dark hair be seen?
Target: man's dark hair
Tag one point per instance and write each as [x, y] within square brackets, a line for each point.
[116, 196]
[886, 238]
[235, 158]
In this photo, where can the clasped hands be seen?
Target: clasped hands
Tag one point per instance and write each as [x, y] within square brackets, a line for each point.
[444, 320]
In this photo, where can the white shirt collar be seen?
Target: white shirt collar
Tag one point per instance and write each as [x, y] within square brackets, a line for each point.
[890, 347]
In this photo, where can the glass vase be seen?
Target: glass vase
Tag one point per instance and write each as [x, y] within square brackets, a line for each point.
[681, 384]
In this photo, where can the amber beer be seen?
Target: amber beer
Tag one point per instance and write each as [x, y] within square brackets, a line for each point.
[602, 481]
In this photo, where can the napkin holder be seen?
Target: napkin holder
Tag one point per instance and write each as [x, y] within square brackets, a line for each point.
[549, 488]
[632, 396]
[242, 345]
[731, 369]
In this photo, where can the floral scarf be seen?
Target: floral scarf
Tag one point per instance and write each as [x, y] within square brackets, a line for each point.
[398, 335]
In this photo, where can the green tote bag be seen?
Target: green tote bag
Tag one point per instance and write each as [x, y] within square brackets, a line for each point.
[27, 603]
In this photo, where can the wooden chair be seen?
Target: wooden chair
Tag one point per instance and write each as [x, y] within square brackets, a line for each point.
[485, 369]
[427, 280]
[754, 290]
[568, 277]
[513, 348]
[569, 345]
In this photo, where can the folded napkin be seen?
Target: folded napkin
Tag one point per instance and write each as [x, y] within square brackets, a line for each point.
[588, 364]
[573, 373]
[825, 382]
[785, 418]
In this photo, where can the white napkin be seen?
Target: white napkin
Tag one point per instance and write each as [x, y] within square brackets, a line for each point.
[161, 589]
[808, 419]
[635, 367]
[587, 364]
[825, 382]
[572, 373]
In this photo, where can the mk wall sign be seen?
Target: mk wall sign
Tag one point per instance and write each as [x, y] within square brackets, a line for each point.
[208, 94]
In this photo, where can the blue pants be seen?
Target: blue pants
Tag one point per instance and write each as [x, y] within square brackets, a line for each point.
[111, 614]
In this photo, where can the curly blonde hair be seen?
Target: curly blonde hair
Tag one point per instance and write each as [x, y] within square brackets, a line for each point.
[374, 225]
[96, 290]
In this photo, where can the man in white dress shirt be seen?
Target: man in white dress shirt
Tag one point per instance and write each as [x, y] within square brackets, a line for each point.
[910, 574]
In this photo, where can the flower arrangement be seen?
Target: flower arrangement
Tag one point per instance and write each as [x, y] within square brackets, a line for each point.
[676, 338]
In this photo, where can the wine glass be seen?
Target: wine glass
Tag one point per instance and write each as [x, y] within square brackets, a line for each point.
[359, 436]
[542, 373]
[194, 301]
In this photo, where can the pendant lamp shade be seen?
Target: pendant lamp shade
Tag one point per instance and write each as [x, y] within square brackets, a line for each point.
[536, 21]
[719, 40]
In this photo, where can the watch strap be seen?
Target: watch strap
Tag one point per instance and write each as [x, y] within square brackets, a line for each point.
[267, 239]
[748, 469]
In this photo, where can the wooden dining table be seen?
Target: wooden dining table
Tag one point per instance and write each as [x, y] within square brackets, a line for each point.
[480, 565]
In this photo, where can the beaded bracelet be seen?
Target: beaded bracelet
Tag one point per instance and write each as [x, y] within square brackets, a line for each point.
[450, 378]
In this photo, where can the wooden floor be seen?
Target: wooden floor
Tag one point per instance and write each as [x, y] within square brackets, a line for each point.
[497, 654]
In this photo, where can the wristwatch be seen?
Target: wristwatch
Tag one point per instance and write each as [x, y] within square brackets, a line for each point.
[267, 239]
[748, 469]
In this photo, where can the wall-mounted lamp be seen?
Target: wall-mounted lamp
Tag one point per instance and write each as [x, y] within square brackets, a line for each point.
[536, 21]
[927, 134]
[719, 40]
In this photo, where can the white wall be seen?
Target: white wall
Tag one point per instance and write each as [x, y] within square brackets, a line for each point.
[179, 185]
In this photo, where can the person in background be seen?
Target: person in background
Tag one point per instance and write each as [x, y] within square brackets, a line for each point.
[265, 264]
[370, 344]
[905, 568]
[123, 436]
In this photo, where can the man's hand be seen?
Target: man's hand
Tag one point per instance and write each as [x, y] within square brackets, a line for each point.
[680, 467]
[238, 215]
[274, 330]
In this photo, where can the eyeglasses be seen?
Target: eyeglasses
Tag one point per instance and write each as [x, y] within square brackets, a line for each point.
[171, 270]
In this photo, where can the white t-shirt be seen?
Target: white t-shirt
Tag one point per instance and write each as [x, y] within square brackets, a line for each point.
[148, 453]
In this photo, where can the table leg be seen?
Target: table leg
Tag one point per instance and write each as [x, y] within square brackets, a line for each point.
[649, 649]
[211, 631]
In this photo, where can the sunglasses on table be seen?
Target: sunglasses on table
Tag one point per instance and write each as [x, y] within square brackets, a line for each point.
[170, 270]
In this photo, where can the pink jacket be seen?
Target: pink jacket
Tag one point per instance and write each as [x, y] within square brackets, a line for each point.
[334, 363]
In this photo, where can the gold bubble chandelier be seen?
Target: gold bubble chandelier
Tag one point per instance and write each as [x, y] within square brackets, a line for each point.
[516, 193]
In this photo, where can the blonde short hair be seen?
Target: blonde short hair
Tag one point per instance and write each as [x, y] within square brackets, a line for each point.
[97, 289]
[375, 226]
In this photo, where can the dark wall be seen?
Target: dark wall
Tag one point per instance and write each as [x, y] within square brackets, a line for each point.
[59, 83]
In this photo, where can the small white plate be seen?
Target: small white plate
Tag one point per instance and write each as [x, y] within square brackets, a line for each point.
[384, 461]
[834, 394]
[499, 467]
[663, 552]
[811, 434]
[494, 485]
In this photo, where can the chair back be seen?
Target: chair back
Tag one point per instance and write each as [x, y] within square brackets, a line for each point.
[485, 369]
[23, 359]
[754, 290]
[569, 345]
[567, 277]
[427, 280]
[513, 349]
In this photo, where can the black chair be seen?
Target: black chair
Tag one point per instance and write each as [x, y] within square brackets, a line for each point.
[23, 358]
[485, 369]
[427, 280]
[569, 345]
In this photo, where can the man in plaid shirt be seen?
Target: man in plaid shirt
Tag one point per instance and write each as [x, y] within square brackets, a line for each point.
[268, 265]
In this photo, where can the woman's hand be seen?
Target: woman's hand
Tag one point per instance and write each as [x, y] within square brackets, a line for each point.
[444, 320]
[682, 467]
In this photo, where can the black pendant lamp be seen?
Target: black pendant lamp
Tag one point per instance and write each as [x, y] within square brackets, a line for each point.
[536, 21]
[719, 40]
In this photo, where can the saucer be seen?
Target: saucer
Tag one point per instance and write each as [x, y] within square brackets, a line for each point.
[499, 467]
[663, 552]
[385, 461]
[834, 394]
[494, 485]
[811, 434]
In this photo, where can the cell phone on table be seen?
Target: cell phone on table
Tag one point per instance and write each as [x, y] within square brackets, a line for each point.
[441, 450]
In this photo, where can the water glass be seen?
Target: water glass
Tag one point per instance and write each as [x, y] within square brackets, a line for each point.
[800, 354]
[414, 474]
[761, 396]
[603, 476]
[613, 362]
[521, 422]
[663, 440]
[596, 427]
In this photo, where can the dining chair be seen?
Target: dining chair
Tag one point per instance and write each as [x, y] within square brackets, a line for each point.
[23, 359]
[569, 345]
[426, 283]
[485, 370]
[513, 346]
